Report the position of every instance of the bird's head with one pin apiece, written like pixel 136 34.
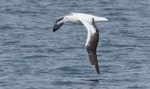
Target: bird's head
pixel 60 21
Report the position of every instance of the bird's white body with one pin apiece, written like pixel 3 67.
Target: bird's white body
pixel 93 35
pixel 77 17
pixel 86 20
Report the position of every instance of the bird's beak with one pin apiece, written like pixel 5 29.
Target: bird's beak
pixel 58 24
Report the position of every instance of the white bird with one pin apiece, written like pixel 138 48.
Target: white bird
pixel 93 34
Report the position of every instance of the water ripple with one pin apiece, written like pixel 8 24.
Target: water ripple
pixel 33 57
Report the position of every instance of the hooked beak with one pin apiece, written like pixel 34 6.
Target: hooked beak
pixel 58 24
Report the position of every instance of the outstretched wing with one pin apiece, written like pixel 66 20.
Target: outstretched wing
pixel 92 42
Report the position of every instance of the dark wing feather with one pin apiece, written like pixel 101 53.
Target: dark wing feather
pixel 91 48
pixel 91 44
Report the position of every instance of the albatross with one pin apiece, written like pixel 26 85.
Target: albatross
pixel 92 32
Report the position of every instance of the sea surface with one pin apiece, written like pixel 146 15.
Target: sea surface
pixel 32 56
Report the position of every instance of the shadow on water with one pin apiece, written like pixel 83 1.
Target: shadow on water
pixel 93 82
pixel 87 83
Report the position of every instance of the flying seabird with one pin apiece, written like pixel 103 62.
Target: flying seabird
pixel 92 32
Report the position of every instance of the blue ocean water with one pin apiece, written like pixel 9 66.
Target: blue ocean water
pixel 33 57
